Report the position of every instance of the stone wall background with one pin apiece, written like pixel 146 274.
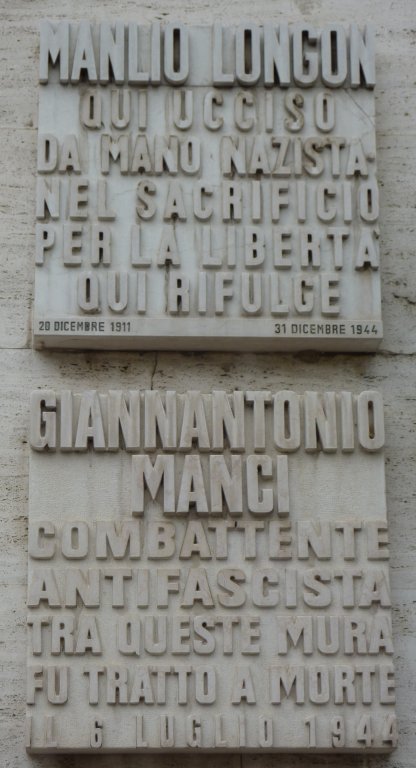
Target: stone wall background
pixel 392 369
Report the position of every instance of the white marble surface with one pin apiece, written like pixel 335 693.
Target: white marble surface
pixel 391 370
pixel 251 224
pixel 282 561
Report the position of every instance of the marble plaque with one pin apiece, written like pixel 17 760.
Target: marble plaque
pixel 208 572
pixel 207 188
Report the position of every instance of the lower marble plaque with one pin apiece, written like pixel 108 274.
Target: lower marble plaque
pixel 208 572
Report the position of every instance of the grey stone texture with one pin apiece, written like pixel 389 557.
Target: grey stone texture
pixel 391 369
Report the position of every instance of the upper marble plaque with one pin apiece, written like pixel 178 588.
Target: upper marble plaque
pixel 207 188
